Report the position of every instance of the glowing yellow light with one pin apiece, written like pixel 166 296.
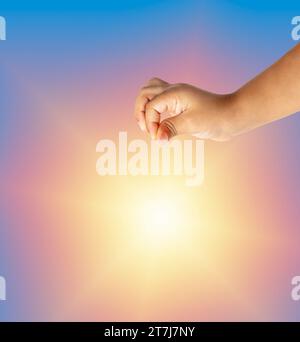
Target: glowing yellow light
pixel 160 219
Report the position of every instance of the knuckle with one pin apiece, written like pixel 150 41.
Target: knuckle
pixel 154 79
pixel 143 89
pixel 148 106
pixel 180 85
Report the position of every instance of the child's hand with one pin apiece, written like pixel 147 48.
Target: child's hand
pixel 270 96
pixel 186 109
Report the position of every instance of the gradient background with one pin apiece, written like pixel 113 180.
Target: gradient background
pixel 71 244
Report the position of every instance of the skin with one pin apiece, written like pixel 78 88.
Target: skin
pixel 272 95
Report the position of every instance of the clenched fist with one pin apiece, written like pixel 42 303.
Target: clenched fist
pixel 165 110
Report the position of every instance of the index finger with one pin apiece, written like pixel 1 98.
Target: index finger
pixel 146 95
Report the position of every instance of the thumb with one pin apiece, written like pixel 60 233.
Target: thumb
pixel 171 127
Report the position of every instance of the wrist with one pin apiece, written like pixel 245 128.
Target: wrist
pixel 235 121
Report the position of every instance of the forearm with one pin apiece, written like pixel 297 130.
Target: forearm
pixel 272 95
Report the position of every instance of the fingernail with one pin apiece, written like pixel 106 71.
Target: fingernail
pixel 142 125
pixel 163 137
pixel 152 133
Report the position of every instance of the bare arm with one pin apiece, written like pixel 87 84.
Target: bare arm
pixel 272 95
